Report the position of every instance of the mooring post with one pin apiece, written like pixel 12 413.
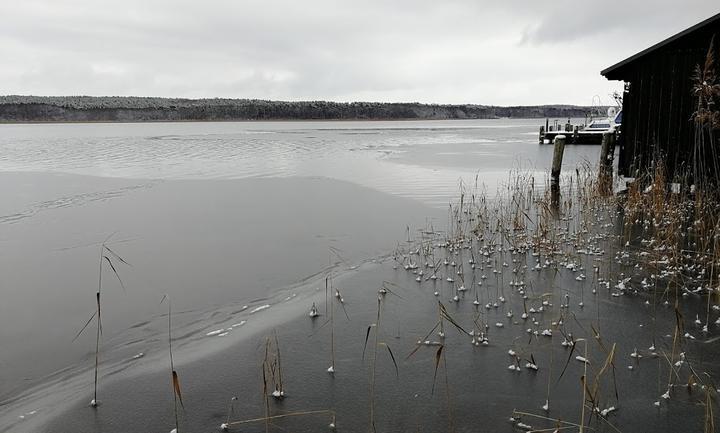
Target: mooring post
pixel 604 150
pixel 607 155
pixel 557 158
pixel 555 170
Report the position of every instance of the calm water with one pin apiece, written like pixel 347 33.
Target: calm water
pixel 418 159
pixel 225 217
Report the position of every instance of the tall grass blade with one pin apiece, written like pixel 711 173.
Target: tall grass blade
pixel 117 256
pixel 419 345
pixel 567 362
pixel 449 318
pixel 367 337
pixel 97 296
pixel 438 356
pixel 114 271
pixel 176 387
pixel 86 325
pixel 397 371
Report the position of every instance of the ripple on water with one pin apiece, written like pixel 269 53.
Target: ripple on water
pixel 260 308
pixel 386 156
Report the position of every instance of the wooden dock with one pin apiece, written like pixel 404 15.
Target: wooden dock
pixel 574 134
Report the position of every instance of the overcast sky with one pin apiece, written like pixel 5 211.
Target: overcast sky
pixel 446 51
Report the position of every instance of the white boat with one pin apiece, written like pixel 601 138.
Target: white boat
pixel 583 134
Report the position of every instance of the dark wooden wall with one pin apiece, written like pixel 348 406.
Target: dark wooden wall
pixel 659 105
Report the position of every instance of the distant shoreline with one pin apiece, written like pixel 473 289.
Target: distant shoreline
pixel 72 122
pixel 90 109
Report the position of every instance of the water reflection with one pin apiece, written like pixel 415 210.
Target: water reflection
pixel 420 159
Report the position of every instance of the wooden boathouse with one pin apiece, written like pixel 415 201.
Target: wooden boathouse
pixel 662 95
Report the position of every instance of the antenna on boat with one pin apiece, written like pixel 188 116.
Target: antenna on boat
pixel 595 109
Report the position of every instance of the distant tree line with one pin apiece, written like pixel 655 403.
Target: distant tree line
pixel 15 108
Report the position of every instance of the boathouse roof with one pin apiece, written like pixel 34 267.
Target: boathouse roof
pixel 701 31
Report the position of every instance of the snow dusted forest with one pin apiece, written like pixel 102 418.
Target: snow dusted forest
pixel 128 109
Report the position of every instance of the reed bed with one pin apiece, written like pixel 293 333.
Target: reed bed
pixel 531 275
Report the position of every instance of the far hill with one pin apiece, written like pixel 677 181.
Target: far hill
pixel 143 109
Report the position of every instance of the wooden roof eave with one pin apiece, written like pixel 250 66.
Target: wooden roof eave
pixel 617 71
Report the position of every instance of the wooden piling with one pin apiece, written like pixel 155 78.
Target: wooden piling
pixel 607 156
pixel 555 170
pixel 557 157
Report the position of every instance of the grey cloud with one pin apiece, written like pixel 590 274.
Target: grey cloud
pixel 570 20
pixel 459 51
